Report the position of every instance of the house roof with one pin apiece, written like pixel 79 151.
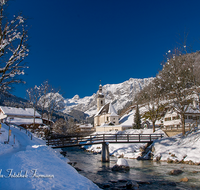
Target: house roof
pixel 27 121
pixel 19 111
pixel 190 110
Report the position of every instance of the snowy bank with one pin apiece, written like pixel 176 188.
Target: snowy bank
pixel 30 164
pixel 176 149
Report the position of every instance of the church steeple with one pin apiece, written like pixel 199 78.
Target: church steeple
pixel 100 98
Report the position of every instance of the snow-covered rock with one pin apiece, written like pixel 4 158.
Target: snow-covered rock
pixel 122 165
pixel 122 162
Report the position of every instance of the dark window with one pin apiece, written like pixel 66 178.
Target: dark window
pixel 168 119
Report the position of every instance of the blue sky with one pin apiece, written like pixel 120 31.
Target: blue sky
pixel 76 43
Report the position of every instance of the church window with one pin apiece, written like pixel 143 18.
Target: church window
pixel 107 118
pixel 101 102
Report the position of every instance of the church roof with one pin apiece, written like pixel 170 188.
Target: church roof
pixel 108 108
pixel 112 110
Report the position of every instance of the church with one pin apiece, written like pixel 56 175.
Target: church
pixel 106 118
pixel 106 113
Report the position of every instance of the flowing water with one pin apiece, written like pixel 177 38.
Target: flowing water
pixel 147 171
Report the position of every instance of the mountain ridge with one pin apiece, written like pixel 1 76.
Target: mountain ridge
pixel 117 94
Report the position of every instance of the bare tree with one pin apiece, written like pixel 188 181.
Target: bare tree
pixel 34 95
pixel 60 127
pixel 152 97
pixel 13 48
pixel 64 127
pixel 55 102
pixel 45 89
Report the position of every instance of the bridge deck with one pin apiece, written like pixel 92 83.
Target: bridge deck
pixel 70 141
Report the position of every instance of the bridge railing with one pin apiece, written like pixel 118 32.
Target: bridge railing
pixel 95 139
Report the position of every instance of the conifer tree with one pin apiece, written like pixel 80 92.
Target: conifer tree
pixel 137 119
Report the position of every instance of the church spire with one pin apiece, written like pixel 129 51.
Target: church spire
pixel 100 98
pixel 100 94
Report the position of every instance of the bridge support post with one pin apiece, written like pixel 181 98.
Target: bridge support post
pixel 105 157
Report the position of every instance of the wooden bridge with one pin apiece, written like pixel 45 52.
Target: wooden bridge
pixel 104 139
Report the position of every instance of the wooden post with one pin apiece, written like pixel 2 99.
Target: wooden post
pixel 105 157
pixel 139 137
pixel 128 137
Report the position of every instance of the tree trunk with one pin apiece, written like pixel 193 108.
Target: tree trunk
pixel 34 119
pixel 154 128
pixel 183 124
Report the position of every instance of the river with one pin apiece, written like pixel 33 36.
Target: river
pixel 157 173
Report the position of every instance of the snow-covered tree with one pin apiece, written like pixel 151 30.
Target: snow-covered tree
pixel 13 48
pixel 179 81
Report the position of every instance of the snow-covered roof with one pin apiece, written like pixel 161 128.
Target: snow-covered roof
pixel 27 121
pixel 112 110
pixel 86 126
pixel 108 108
pixel 190 110
pixel 19 111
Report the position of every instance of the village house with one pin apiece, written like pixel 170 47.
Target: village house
pixel 85 128
pixel 172 118
pixel 19 116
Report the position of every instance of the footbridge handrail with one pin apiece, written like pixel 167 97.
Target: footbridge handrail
pixel 70 141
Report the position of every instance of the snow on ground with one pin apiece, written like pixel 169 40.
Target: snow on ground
pixel 127 150
pixel 30 164
pixel 178 147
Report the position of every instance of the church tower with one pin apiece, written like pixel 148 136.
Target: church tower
pixel 100 98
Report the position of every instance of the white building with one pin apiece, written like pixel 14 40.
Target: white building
pixel 20 116
pixel 106 113
pixel 85 128
pixel 106 118
pixel 172 118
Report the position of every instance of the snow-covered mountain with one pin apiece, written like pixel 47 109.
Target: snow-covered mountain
pixel 118 94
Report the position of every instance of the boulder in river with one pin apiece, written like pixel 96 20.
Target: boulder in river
pixel 175 172
pixel 185 179
pixel 122 165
